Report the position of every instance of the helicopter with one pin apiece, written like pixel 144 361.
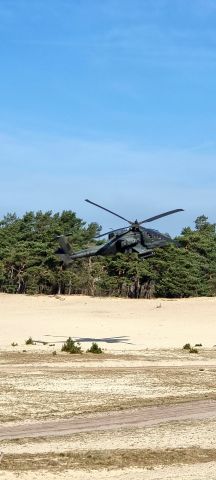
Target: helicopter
pixel 129 239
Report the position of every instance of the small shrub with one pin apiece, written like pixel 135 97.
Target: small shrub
pixel 94 349
pixel 29 341
pixel 54 353
pixel 14 344
pixel 187 346
pixel 71 347
pixel 193 350
pixel 198 345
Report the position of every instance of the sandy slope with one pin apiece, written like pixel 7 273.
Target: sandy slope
pixel 139 324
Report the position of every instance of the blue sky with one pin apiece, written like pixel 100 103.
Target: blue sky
pixel 111 100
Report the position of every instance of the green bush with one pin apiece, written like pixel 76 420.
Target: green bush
pixel 187 346
pixel 29 341
pixel 193 350
pixel 94 349
pixel 190 349
pixel 70 346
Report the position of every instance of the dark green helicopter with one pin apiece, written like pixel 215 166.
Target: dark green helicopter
pixel 132 238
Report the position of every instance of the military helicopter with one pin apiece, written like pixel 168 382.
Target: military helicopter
pixel 129 239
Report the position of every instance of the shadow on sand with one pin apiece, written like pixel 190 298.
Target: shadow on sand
pixel 121 339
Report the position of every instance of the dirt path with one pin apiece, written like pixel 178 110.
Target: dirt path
pixel 140 418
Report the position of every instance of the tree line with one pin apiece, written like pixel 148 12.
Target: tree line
pixel 29 264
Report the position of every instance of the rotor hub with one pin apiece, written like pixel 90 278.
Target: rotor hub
pixel 135 225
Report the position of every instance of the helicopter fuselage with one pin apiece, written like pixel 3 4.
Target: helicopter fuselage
pixel 133 238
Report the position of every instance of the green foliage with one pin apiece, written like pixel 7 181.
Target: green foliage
pixel 190 349
pixel 29 341
pixel 28 263
pixel 70 346
pixel 193 350
pixel 187 346
pixel 94 349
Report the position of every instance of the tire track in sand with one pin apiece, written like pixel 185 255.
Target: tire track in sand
pixel 143 417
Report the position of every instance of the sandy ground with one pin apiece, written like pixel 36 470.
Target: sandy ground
pixel 123 324
pixel 147 416
pixel 143 369
pixel 206 471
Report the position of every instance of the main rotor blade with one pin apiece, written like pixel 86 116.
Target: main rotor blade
pixel 111 231
pixel 110 211
pixel 151 219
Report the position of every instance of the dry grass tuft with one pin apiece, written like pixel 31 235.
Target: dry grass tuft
pixel 97 459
